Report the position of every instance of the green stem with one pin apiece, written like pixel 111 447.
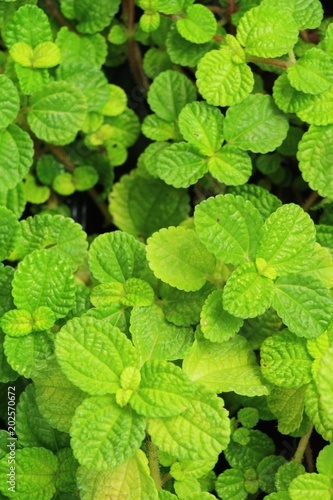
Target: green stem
pixel 302 445
pixel 310 201
pixel 153 463
pixel 269 60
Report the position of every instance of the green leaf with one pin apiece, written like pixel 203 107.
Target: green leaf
pixel 50 281
pixel 308 14
pixel 68 465
pixel 321 266
pixel 325 386
pixel 91 17
pixel 316 413
pixel 46 55
pixel 157 129
pixel 142 206
pixel 285 360
pixel 202 126
pixel 313 72
pixel 181 165
pixel 10 101
pixel 104 435
pixel 266 471
pixel 223 79
pixel 183 52
pixel 7 373
pixel 266 203
pixel 155 338
pixel 288 239
pixel 9 227
pixel 248 293
pixel 231 166
pixel 17 323
pixel 165 391
pixel 178 258
pixel 89 49
pixel 230 485
pixel 134 292
pixel 155 61
pixel 57 398
pixel 311 485
pixel 267 31
pixel 218 325
pixel 315 149
pixel 324 461
pixel 242 457
pixel 286 473
pixel 223 367
pixel 123 129
pixel 35 474
pixel 149 21
pixel 14 199
pixel 129 479
pixel 29 354
pixel 317 109
pixel 31 80
pixel 31 427
pixel 199 24
pixel 30 25
pixel 6 299
pixel 287 98
pixel 16 153
pixel 169 93
pixel 229 226
pixel 35 193
pixel 117 102
pixel 288 407
pixel 255 124
pixel 201 432
pixel 57 112
pixel 84 177
pixel 102 349
pixel 89 80
pixel 303 303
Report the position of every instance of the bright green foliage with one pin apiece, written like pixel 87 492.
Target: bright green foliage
pixel 314 485
pixel 90 16
pixel 178 258
pixel 90 49
pixel 8 231
pixel 183 52
pixel 231 166
pixel 29 25
pixel 325 387
pixel 16 152
pixel 246 457
pixel 287 404
pixel 198 25
pixel 313 73
pixel 9 105
pixel 308 14
pixel 230 484
pixel 286 473
pixel 134 292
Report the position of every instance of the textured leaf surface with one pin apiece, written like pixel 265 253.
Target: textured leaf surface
pixel 285 360
pixel 223 80
pixel 266 203
pixel 164 391
pixel 178 258
pixel 248 293
pixel 35 474
pixel 14 199
pixel 202 126
pixel 255 124
pixel 231 166
pixel 181 165
pixel 325 385
pixel 116 256
pixel 8 231
pixel 134 292
pixel 224 367
pixel 229 226
pixel 317 109
pixel 93 354
pixel 287 98
pixel 129 479
pixel 288 239
pixel 31 80
pixel 315 149
pixel 183 52
pixel 30 25
pixel 201 432
pixel 155 338
pixel 7 373
pixel 242 457
pixel 16 152
pixel 313 72
pixel 76 48
pixel 9 101
pixel 308 13
pixel 199 24
pixel 59 235
pixel 49 280
pixel 316 486
pixel 288 407
pixel 57 112
pixel 91 17
pixel 303 303
pixel 324 461
pixel 267 31
pixel 218 325
pixel 169 93
pixel 104 435
pixel 230 484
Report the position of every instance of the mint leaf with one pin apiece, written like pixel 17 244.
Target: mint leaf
pixel 155 338
pixel 9 227
pixel 231 166
pixel 57 113
pixel 267 31
pixel 11 104
pixel 316 413
pixel 202 126
pixel 95 430
pixel 266 203
pixel 198 25
pixel 316 109
pixel 229 226
pixel 248 293
pixel 90 16
pixel 313 72
pixel 31 80
pixel 30 25
pixel 134 292
pixel 183 52
pixel 16 153
pixel 288 239
pixel 287 404
pixel 242 457
pixel 169 93
pixel 51 280
pixel 102 349
pixel 287 98
pixel 223 367
pixel 230 484
pixel 255 124
pixel 324 384
pixel 285 360
pixel 178 258
pixel 308 14
pixel 303 303
pixel 91 49
pixel 311 485
pixel 324 461
pixel 14 199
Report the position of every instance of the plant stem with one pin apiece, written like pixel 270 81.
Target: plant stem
pixel 310 201
pixel 270 60
pixel 302 445
pixel 309 458
pixel 55 12
pixel 153 463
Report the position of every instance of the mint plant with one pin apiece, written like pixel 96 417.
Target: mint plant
pixel 169 355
